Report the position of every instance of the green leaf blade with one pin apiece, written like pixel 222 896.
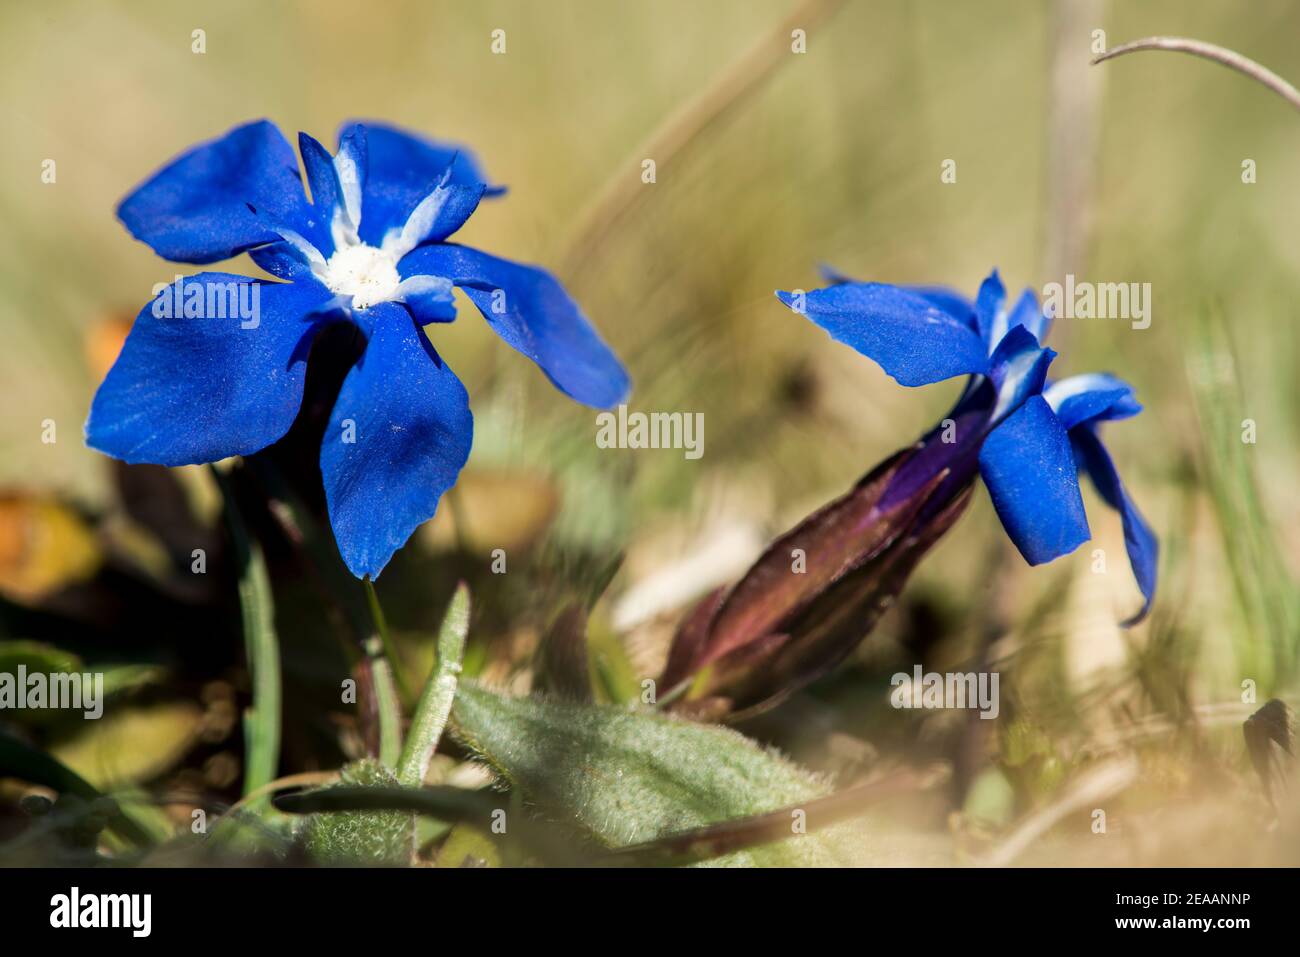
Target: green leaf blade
pixel 436 700
pixel 257 612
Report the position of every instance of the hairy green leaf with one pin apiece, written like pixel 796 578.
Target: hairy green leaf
pixel 359 837
pixel 629 777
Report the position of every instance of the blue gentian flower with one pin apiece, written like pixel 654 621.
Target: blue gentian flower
pixel 1028 437
pixel 196 385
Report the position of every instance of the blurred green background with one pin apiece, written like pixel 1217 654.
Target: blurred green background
pixel 1126 172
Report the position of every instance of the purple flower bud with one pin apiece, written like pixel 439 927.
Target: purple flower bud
pixel 819 589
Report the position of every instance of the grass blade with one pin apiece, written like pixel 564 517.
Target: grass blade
pixel 257 610
pixel 388 706
pixel 1266 645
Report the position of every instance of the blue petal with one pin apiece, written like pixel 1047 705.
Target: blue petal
pixel 1139 539
pixel 1018 367
pixel 1028 313
pixel 910 337
pixel 949 300
pixel 1029 468
pixel 436 217
pixel 322 178
pixel 352 171
pixel 990 301
pixel 530 310
pixel 191 390
pixel 196 209
pixel 284 261
pixel 403 170
pixel 428 298
pixel 1095 396
pixel 410 420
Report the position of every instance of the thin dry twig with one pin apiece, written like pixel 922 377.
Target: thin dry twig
pixel 1073 125
pixel 1209 51
pixel 305 779
pixel 1098 784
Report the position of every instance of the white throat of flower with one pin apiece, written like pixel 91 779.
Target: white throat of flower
pixel 365 275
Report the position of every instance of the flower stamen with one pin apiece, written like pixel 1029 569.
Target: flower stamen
pixel 366 273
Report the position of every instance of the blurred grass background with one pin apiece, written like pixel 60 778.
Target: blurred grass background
pixel 835 158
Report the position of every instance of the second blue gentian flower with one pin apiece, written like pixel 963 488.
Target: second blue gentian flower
pixel 1029 437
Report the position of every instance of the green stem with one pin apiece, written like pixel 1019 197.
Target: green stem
pixel 320 556
pixel 385 638
pixel 459 520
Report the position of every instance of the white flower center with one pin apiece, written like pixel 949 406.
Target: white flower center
pixel 366 273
